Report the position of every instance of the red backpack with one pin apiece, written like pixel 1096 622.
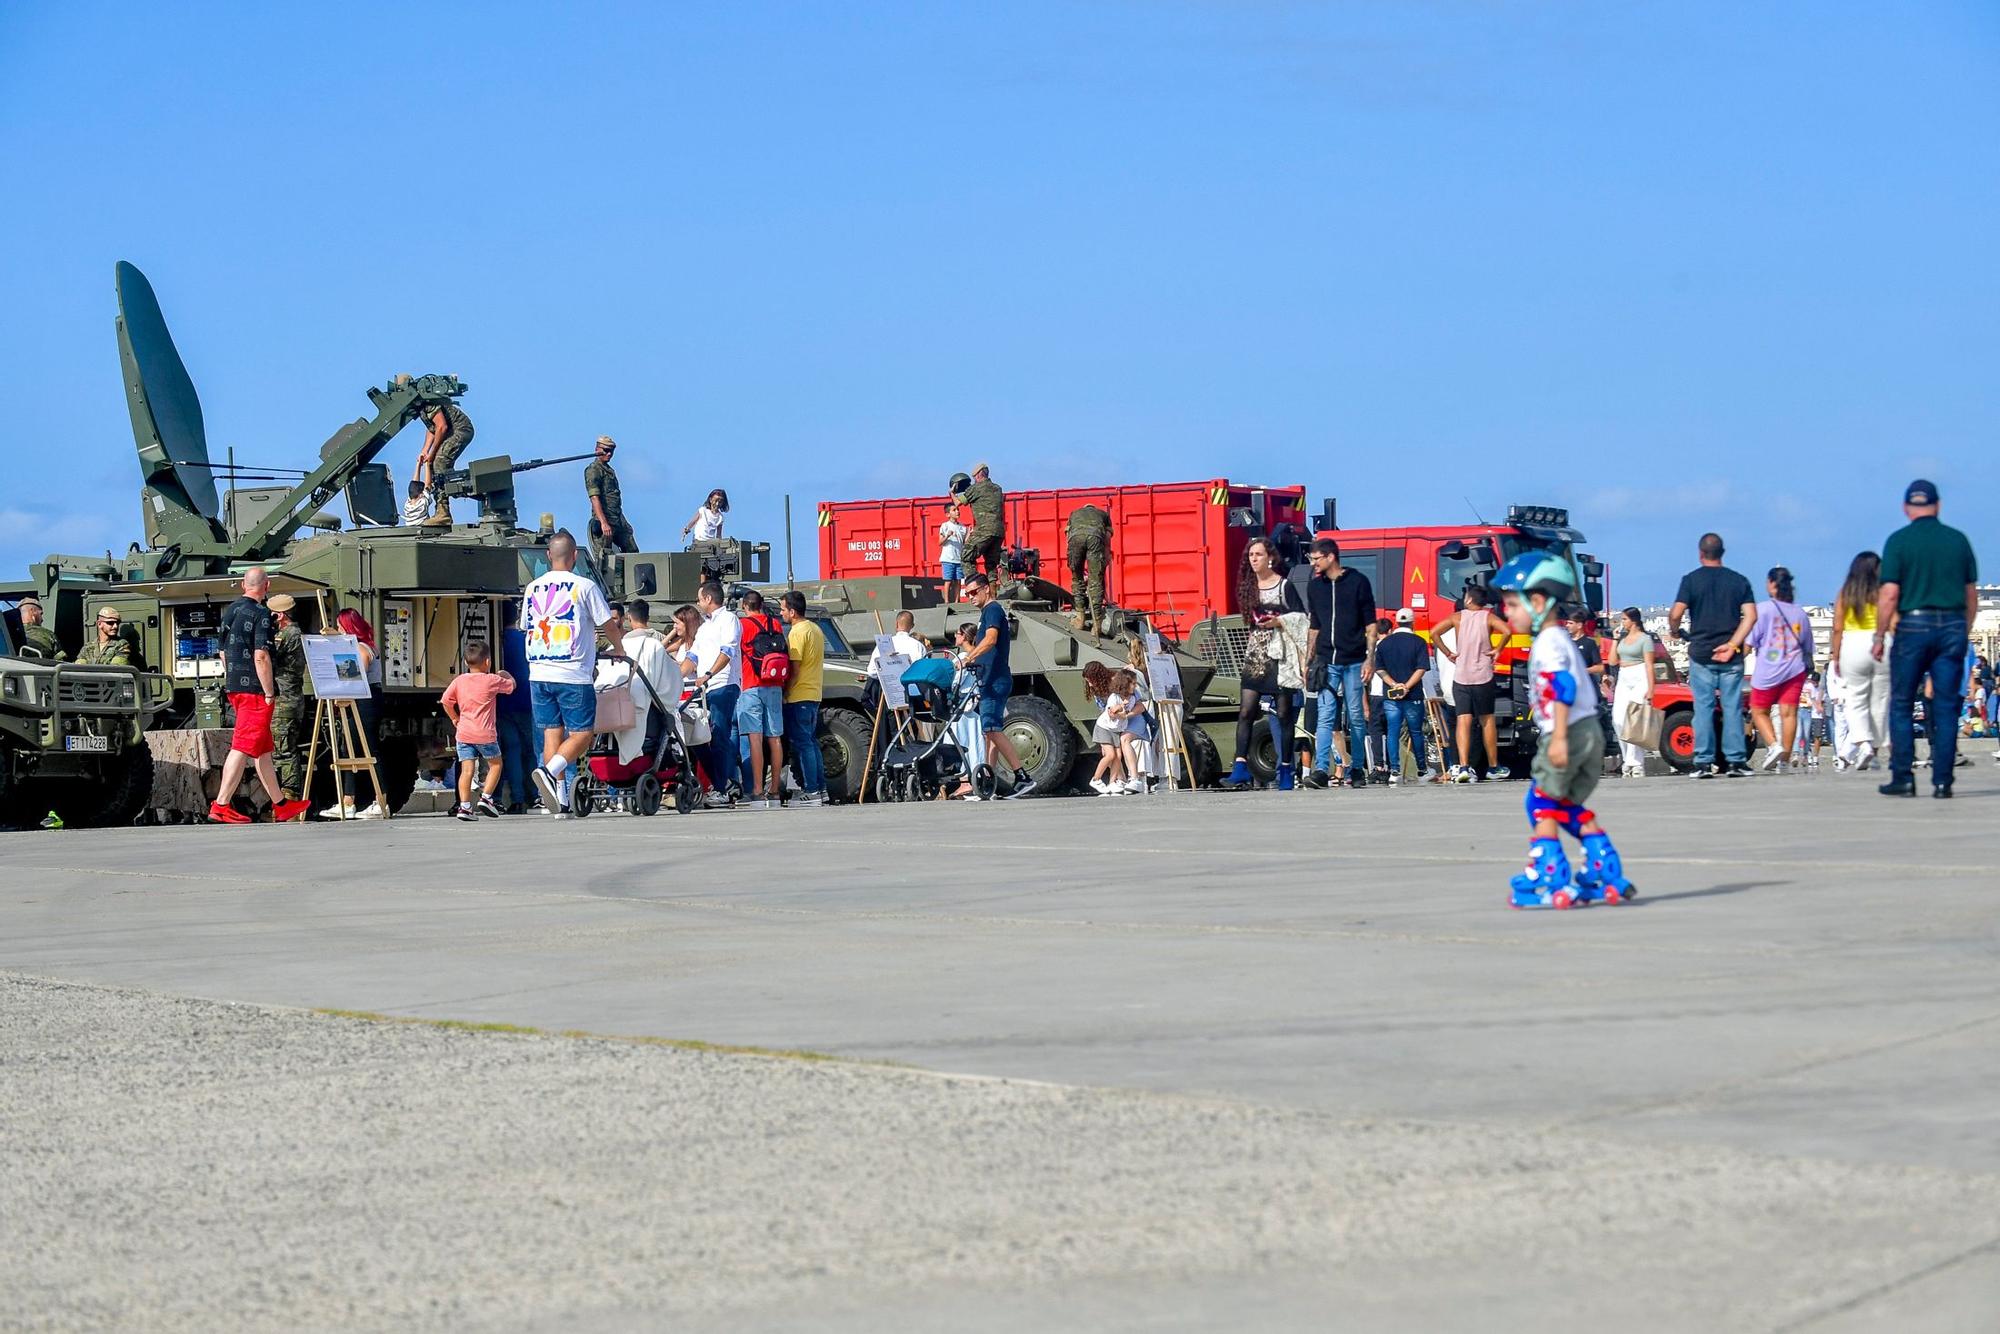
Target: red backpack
pixel 769 658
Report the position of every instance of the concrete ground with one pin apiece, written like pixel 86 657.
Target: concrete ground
pixel 1274 1061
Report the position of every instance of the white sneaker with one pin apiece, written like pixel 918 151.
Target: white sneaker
pixel 1499 772
pixel 805 799
pixel 1772 761
pixel 1134 788
pixel 1100 787
pixel 714 800
pixel 755 804
pixel 373 811
pixel 339 811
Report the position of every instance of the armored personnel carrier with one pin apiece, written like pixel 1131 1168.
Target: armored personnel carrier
pixel 426 590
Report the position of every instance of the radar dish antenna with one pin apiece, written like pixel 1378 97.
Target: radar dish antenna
pixel 166 413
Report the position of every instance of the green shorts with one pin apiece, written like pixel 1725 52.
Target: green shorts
pixel 1576 780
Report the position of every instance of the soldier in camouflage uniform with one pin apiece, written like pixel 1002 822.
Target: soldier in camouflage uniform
pixel 609 532
pixel 988 539
pixel 1089 545
pixel 36 637
pixel 288 713
pixel 447 431
pixel 110 648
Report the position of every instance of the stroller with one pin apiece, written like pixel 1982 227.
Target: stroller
pixel 924 758
pixel 665 763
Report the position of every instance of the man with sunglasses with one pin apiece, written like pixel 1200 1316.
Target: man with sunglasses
pixel 110 648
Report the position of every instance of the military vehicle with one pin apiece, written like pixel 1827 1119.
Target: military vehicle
pixel 426 590
pixel 1049 716
pixel 72 737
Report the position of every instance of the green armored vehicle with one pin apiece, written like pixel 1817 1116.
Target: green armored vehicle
pixel 426 590
pixel 72 737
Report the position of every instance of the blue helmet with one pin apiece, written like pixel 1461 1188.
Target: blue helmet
pixel 1536 572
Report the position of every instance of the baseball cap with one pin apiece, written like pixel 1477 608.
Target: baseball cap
pixel 282 602
pixel 1920 492
pixel 1404 616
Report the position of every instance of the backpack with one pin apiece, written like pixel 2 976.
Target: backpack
pixel 770 658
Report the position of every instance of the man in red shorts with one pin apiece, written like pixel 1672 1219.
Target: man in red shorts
pixel 248 632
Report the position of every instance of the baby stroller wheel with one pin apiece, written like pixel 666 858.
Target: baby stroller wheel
pixel 583 795
pixel 687 793
pixel 913 786
pixel 887 789
pixel 646 795
pixel 985 782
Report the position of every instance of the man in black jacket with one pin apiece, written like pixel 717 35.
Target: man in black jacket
pixel 1341 648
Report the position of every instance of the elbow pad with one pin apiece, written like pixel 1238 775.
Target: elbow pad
pixel 1562 685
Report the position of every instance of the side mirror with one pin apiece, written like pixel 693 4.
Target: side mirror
pixel 1454 551
pixel 1485 557
pixel 1593 569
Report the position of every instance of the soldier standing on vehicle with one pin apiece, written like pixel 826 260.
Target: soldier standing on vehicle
pixel 36 636
pixel 609 532
pixel 110 648
pixel 288 670
pixel 1089 545
pixel 989 526
pixel 447 431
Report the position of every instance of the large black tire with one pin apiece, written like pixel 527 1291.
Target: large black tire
pixel 1043 739
pixel 110 801
pixel 1203 758
pixel 843 744
pixel 1263 754
pixel 18 800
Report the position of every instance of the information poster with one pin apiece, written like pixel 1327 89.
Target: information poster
pixel 1164 675
pixel 334 664
pixel 893 665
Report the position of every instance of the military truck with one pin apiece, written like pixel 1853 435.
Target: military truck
pixel 426 590
pixel 1049 716
pixel 72 738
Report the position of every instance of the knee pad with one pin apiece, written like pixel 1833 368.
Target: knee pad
pixel 1567 814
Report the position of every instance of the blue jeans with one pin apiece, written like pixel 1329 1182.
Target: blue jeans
pixel 519 754
pixel 1342 682
pixel 802 735
pixel 1404 715
pixel 722 736
pixel 1929 643
pixel 1713 682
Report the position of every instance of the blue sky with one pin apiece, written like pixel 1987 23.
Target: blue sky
pixel 1676 266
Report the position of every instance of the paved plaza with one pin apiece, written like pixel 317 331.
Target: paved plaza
pixel 1273 1061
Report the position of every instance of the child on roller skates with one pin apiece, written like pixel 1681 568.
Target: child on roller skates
pixel 1570 760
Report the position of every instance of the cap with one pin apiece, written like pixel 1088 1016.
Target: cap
pixel 1920 492
pixel 1404 616
pixel 26 598
pixel 607 440
pixel 282 602
pixel 978 468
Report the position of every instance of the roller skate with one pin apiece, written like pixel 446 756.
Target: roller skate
pixel 1601 878
pixel 1545 883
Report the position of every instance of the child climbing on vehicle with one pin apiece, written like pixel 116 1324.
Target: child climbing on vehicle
pixel 1570 759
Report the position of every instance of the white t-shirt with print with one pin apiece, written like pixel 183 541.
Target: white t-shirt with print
pixel 719 634
pixel 1110 720
pixel 707 525
pixel 560 614
pixel 1554 652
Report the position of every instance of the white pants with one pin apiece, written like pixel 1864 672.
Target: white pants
pixel 1864 690
pixel 1631 686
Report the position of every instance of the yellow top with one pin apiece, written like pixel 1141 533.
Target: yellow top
pixel 1857 619
pixel 807 646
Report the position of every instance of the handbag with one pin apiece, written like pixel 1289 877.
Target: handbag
pixel 1260 662
pixel 1640 724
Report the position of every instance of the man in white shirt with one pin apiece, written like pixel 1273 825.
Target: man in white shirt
pixel 715 664
pixel 655 685
pixel 904 641
pixel 562 613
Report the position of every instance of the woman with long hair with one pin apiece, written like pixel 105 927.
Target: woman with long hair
pixel 1860 681
pixel 1264 595
pixel 706 525
pixel 1635 684
pixel 1782 649
pixel 352 622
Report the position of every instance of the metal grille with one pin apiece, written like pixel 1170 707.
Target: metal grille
pixel 1223 650
pixel 89 692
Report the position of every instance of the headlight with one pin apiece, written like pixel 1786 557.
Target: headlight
pixel 11 688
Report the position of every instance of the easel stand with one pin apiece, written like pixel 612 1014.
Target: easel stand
pixel 346 749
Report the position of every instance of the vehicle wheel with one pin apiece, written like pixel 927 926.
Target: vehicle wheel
pixel 687 793
pixel 1203 758
pixel 1677 740
pixel 913 786
pixel 1263 754
pixel 843 744
pixel 646 795
pixel 1043 738
pixel 18 800
pixel 114 799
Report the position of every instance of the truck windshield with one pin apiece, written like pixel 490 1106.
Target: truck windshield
pixel 1513 544
pixel 836 643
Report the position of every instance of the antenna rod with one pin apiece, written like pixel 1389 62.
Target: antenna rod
pixel 789 584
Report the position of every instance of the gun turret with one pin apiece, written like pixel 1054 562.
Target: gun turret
pixel 491 482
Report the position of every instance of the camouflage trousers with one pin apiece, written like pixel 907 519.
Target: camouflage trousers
pixel 991 548
pixel 604 548
pixel 288 731
pixel 1091 550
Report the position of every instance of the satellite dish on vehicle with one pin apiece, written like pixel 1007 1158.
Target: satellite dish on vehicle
pixel 166 413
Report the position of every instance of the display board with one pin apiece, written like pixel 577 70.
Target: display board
pixel 334 664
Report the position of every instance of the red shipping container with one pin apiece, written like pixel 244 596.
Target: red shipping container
pixel 1174 547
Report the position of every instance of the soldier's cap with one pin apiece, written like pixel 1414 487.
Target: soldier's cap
pixel 604 440
pixel 27 598
pixel 1920 492
pixel 282 602
pixel 978 468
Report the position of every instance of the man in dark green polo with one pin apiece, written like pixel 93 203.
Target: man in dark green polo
pixel 1930 595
